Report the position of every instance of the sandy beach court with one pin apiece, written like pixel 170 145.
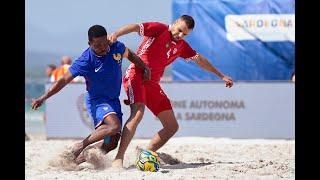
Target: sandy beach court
pixel 184 158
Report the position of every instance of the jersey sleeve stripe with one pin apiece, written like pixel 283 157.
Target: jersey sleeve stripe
pixel 193 57
pixel 141 32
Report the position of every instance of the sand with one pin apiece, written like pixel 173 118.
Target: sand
pixel 183 158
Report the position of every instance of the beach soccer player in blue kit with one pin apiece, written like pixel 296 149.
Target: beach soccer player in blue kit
pixel 100 65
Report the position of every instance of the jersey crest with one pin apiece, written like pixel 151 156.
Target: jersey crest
pixel 117 57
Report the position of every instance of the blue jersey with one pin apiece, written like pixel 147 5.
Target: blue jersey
pixel 102 73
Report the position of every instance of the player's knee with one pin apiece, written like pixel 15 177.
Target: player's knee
pixel 137 110
pixel 140 106
pixel 115 128
pixel 137 107
pixel 175 128
pixel 172 129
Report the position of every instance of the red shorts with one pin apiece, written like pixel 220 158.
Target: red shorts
pixel 148 92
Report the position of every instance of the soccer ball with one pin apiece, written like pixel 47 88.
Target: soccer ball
pixel 148 161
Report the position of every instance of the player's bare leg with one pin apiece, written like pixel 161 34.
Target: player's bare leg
pixel 110 126
pixel 105 148
pixel 129 129
pixel 170 127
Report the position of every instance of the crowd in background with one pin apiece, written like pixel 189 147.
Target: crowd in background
pixel 54 72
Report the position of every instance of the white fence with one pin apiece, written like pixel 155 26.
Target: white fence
pixel 247 110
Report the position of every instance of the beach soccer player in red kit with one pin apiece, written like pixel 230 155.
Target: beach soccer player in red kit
pixel 161 45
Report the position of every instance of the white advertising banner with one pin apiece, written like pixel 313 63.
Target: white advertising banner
pixel 209 109
pixel 266 27
pixel 66 113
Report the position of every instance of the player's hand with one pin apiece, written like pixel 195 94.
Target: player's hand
pixel 112 37
pixel 36 103
pixel 146 74
pixel 228 81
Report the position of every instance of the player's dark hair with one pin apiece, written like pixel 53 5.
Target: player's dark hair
pixel 52 66
pixel 189 21
pixel 96 31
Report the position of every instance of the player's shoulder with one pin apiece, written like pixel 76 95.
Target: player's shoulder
pixel 85 54
pixel 116 44
pixel 84 57
pixel 156 25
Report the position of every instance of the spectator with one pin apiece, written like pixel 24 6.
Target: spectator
pixel 60 71
pixel 50 68
pixel 66 62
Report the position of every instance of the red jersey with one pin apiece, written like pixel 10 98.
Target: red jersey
pixel 158 50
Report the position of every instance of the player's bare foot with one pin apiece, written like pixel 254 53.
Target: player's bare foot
pixel 80 159
pixel 117 163
pixel 77 149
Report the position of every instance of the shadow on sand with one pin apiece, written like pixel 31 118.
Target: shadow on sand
pixel 169 162
pixel 185 165
pixel 181 165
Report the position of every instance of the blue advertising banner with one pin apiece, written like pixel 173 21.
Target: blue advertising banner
pixel 247 39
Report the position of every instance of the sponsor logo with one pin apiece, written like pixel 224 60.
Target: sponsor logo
pixel 174 51
pixel 263 27
pixel 98 68
pixel 117 57
pixel 83 112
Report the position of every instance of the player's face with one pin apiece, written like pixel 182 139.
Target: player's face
pixel 49 71
pixel 99 45
pixel 179 30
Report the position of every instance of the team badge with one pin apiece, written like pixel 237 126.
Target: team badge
pixel 117 57
pixel 174 51
pixel 167 45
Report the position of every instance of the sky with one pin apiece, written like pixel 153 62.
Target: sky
pixel 61 26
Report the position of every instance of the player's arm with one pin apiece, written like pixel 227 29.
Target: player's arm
pixel 131 56
pixel 149 29
pixel 206 65
pixel 56 87
pixel 123 30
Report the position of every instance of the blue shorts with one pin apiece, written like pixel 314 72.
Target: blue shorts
pixel 100 108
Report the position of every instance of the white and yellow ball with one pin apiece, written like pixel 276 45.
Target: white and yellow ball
pixel 148 161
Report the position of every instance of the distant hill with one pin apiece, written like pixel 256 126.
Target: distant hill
pixel 38 59
pixel 36 62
